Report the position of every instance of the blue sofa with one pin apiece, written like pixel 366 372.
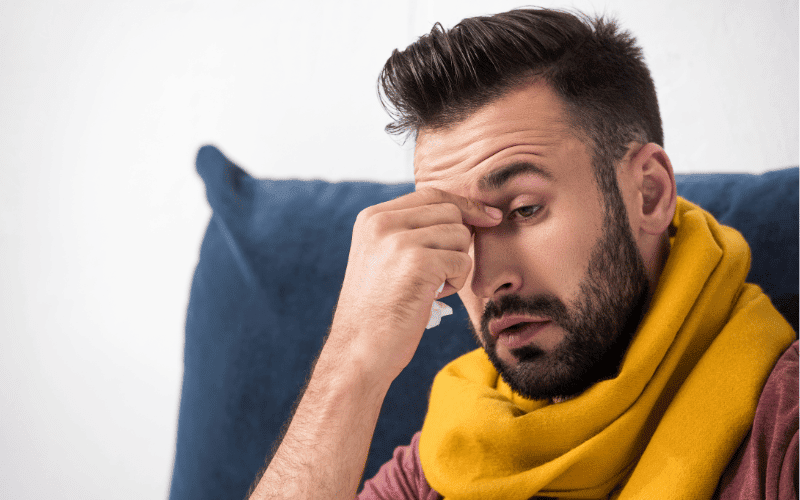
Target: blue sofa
pixel 270 268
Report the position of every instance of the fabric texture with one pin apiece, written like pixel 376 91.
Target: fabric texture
pixel 268 276
pixel 764 469
pixel 766 465
pixel 674 416
pixel 401 478
pixel 269 273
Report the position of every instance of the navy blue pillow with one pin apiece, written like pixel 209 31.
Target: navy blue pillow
pixel 271 265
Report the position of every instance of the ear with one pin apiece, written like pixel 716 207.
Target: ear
pixel 654 193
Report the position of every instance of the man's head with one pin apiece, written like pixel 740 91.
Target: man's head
pixel 554 120
pixel 596 70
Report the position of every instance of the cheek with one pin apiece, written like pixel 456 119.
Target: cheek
pixel 557 254
pixel 473 305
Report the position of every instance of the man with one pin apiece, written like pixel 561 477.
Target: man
pixel 623 355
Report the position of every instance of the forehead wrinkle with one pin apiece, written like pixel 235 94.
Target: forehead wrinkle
pixel 463 155
pixel 452 158
pixel 452 151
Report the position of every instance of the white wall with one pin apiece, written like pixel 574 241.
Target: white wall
pixel 103 105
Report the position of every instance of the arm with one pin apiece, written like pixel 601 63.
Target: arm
pixel 326 443
pixel 401 252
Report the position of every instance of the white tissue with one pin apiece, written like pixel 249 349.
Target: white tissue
pixel 438 311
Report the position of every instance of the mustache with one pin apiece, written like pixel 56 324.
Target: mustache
pixel 538 305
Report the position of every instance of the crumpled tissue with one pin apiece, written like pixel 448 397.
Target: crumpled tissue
pixel 438 311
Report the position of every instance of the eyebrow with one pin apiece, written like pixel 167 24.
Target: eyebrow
pixel 498 178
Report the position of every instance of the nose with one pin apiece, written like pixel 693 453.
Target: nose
pixel 496 267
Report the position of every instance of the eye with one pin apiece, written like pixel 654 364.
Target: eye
pixel 525 212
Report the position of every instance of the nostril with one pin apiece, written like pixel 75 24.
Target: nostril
pixel 504 287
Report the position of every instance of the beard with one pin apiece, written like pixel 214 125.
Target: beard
pixel 599 324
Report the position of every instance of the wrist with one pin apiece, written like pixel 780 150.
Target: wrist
pixel 375 353
pixel 352 371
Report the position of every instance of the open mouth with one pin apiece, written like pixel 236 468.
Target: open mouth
pixel 516 328
pixel 513 323
pixel 517 332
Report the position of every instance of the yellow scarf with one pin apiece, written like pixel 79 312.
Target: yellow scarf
pixel 665 427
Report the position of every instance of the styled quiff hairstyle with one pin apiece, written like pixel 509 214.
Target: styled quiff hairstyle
pixel 595 68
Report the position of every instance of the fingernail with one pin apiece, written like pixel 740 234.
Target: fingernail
pixel 494 213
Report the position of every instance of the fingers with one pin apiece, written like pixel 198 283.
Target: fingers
pixel 422 240
pixel 457 267
pixel 471 212
pixel 456 237
pixel 390 221
pixel 441 266
pixel 429 215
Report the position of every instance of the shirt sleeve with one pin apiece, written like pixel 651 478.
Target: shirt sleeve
pixel 766 465
pixel 401 478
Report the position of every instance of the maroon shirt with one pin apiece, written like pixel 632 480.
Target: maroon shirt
pixel 765 467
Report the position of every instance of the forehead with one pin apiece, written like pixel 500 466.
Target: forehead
pixel 527 126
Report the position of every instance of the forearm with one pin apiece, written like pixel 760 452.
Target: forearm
pixel 325 447
pixel 402 252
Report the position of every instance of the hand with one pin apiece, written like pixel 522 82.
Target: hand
pixel 401 253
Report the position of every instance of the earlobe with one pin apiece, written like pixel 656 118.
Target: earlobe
pixel 657 188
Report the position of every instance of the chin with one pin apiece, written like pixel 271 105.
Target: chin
pixel 578 361
pixel 539 374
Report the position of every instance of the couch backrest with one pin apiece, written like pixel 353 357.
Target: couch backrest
pixel 271 265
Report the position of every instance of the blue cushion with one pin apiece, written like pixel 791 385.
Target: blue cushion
pixel 271 265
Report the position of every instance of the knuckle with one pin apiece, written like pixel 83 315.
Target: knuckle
pixel 364 215
pixel 417 256
pixel 460 236
pixel 464 232
pixel 370 211
pixel 380 219
pixel 394 242
pixel 454 266
pixel 459 280
pixel 451 211
pixel 380 223
pixel 463 263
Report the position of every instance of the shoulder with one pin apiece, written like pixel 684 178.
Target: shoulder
pixel 766 465
pixel 401 478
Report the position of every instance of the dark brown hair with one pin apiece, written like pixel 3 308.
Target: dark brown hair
pixel 596 69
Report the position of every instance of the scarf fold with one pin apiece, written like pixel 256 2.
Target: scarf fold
pixel 665 427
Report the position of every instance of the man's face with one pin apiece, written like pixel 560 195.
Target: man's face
pixel 557 288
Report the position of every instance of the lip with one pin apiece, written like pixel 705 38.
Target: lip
pixel 497 326
pixel 523 336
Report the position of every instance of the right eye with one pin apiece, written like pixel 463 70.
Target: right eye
pixel 525 213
